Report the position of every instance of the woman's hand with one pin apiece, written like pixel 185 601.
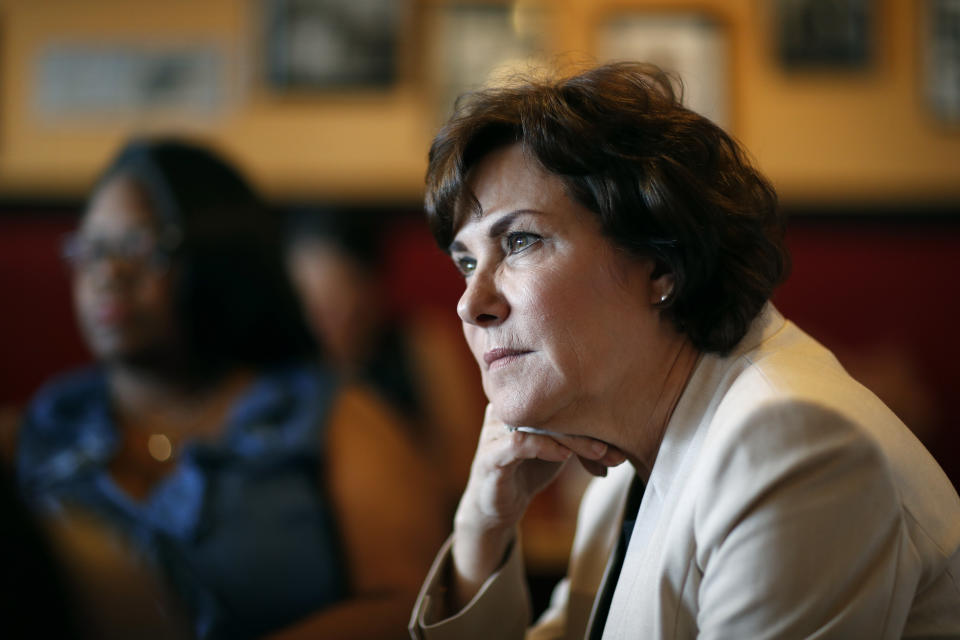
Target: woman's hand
pixel 509 469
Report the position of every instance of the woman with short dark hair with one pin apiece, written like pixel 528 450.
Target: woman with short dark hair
pixel 664 183
pixel 270 497
pixel 619 253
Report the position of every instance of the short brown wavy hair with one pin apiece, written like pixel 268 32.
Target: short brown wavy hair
pixel 665 183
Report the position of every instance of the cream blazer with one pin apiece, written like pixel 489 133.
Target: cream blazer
pixel 786 501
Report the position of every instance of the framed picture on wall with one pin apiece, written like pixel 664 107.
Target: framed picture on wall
pixel 100 80
pixel 824 34
pixel 941 55
pixel 474 44
pixel 692 47
pixel 319 45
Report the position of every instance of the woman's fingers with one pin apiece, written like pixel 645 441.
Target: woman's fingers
pixel 612 457
pixel 528 446
pixel 584 447
pixel 513 463
pixel 593 467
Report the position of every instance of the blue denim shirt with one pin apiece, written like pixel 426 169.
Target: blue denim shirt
pixel 241 528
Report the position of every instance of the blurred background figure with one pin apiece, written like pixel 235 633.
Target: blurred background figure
pixel 35 595
pixel 270 498
pixel 75 580
pixel 337 260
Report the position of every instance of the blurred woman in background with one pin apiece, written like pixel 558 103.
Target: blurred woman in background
pixel 417 364
pixel 272 500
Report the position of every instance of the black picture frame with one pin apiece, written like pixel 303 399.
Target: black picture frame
pixel 824 34
pixel 942 60
pixel 324 45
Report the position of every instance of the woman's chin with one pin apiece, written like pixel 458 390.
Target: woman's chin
pixel 509 412
pixel 522 414
pixel 544 406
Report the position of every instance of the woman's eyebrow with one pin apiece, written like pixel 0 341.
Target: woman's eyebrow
pixel 497 228
pixel 503 223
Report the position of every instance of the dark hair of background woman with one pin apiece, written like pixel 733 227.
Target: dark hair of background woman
pixel 233 299
pixel 665 182
pixel 356 231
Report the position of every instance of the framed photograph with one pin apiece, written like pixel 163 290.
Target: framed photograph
pixel 104 80
pixel 941 55
pixel 824 34
pixel 320 45
pixel 473 45
pixel 691 46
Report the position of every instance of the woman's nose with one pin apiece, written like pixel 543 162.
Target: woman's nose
pixel 482 303
pixel 109 271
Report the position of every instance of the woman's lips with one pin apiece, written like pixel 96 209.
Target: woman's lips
pixel 112 313
pixel 501 357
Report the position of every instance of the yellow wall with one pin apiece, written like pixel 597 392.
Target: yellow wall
pixel 859 137
pixel 365 145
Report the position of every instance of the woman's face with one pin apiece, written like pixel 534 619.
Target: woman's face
pixel 339 299
pixel 122 285
pixel 560 321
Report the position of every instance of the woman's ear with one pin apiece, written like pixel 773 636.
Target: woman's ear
pixel 661 287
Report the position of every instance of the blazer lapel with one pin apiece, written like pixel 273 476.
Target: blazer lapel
pixel 593 545
pixel 632 613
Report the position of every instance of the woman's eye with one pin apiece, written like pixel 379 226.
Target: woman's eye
pixel 466 265
pixel 520 241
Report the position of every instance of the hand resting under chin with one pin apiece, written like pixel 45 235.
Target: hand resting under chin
pixel 595 467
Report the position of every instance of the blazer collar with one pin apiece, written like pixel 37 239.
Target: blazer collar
pixel 708 383
pixel 707 386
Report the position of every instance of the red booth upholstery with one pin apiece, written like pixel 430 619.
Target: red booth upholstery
pixel 880 292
